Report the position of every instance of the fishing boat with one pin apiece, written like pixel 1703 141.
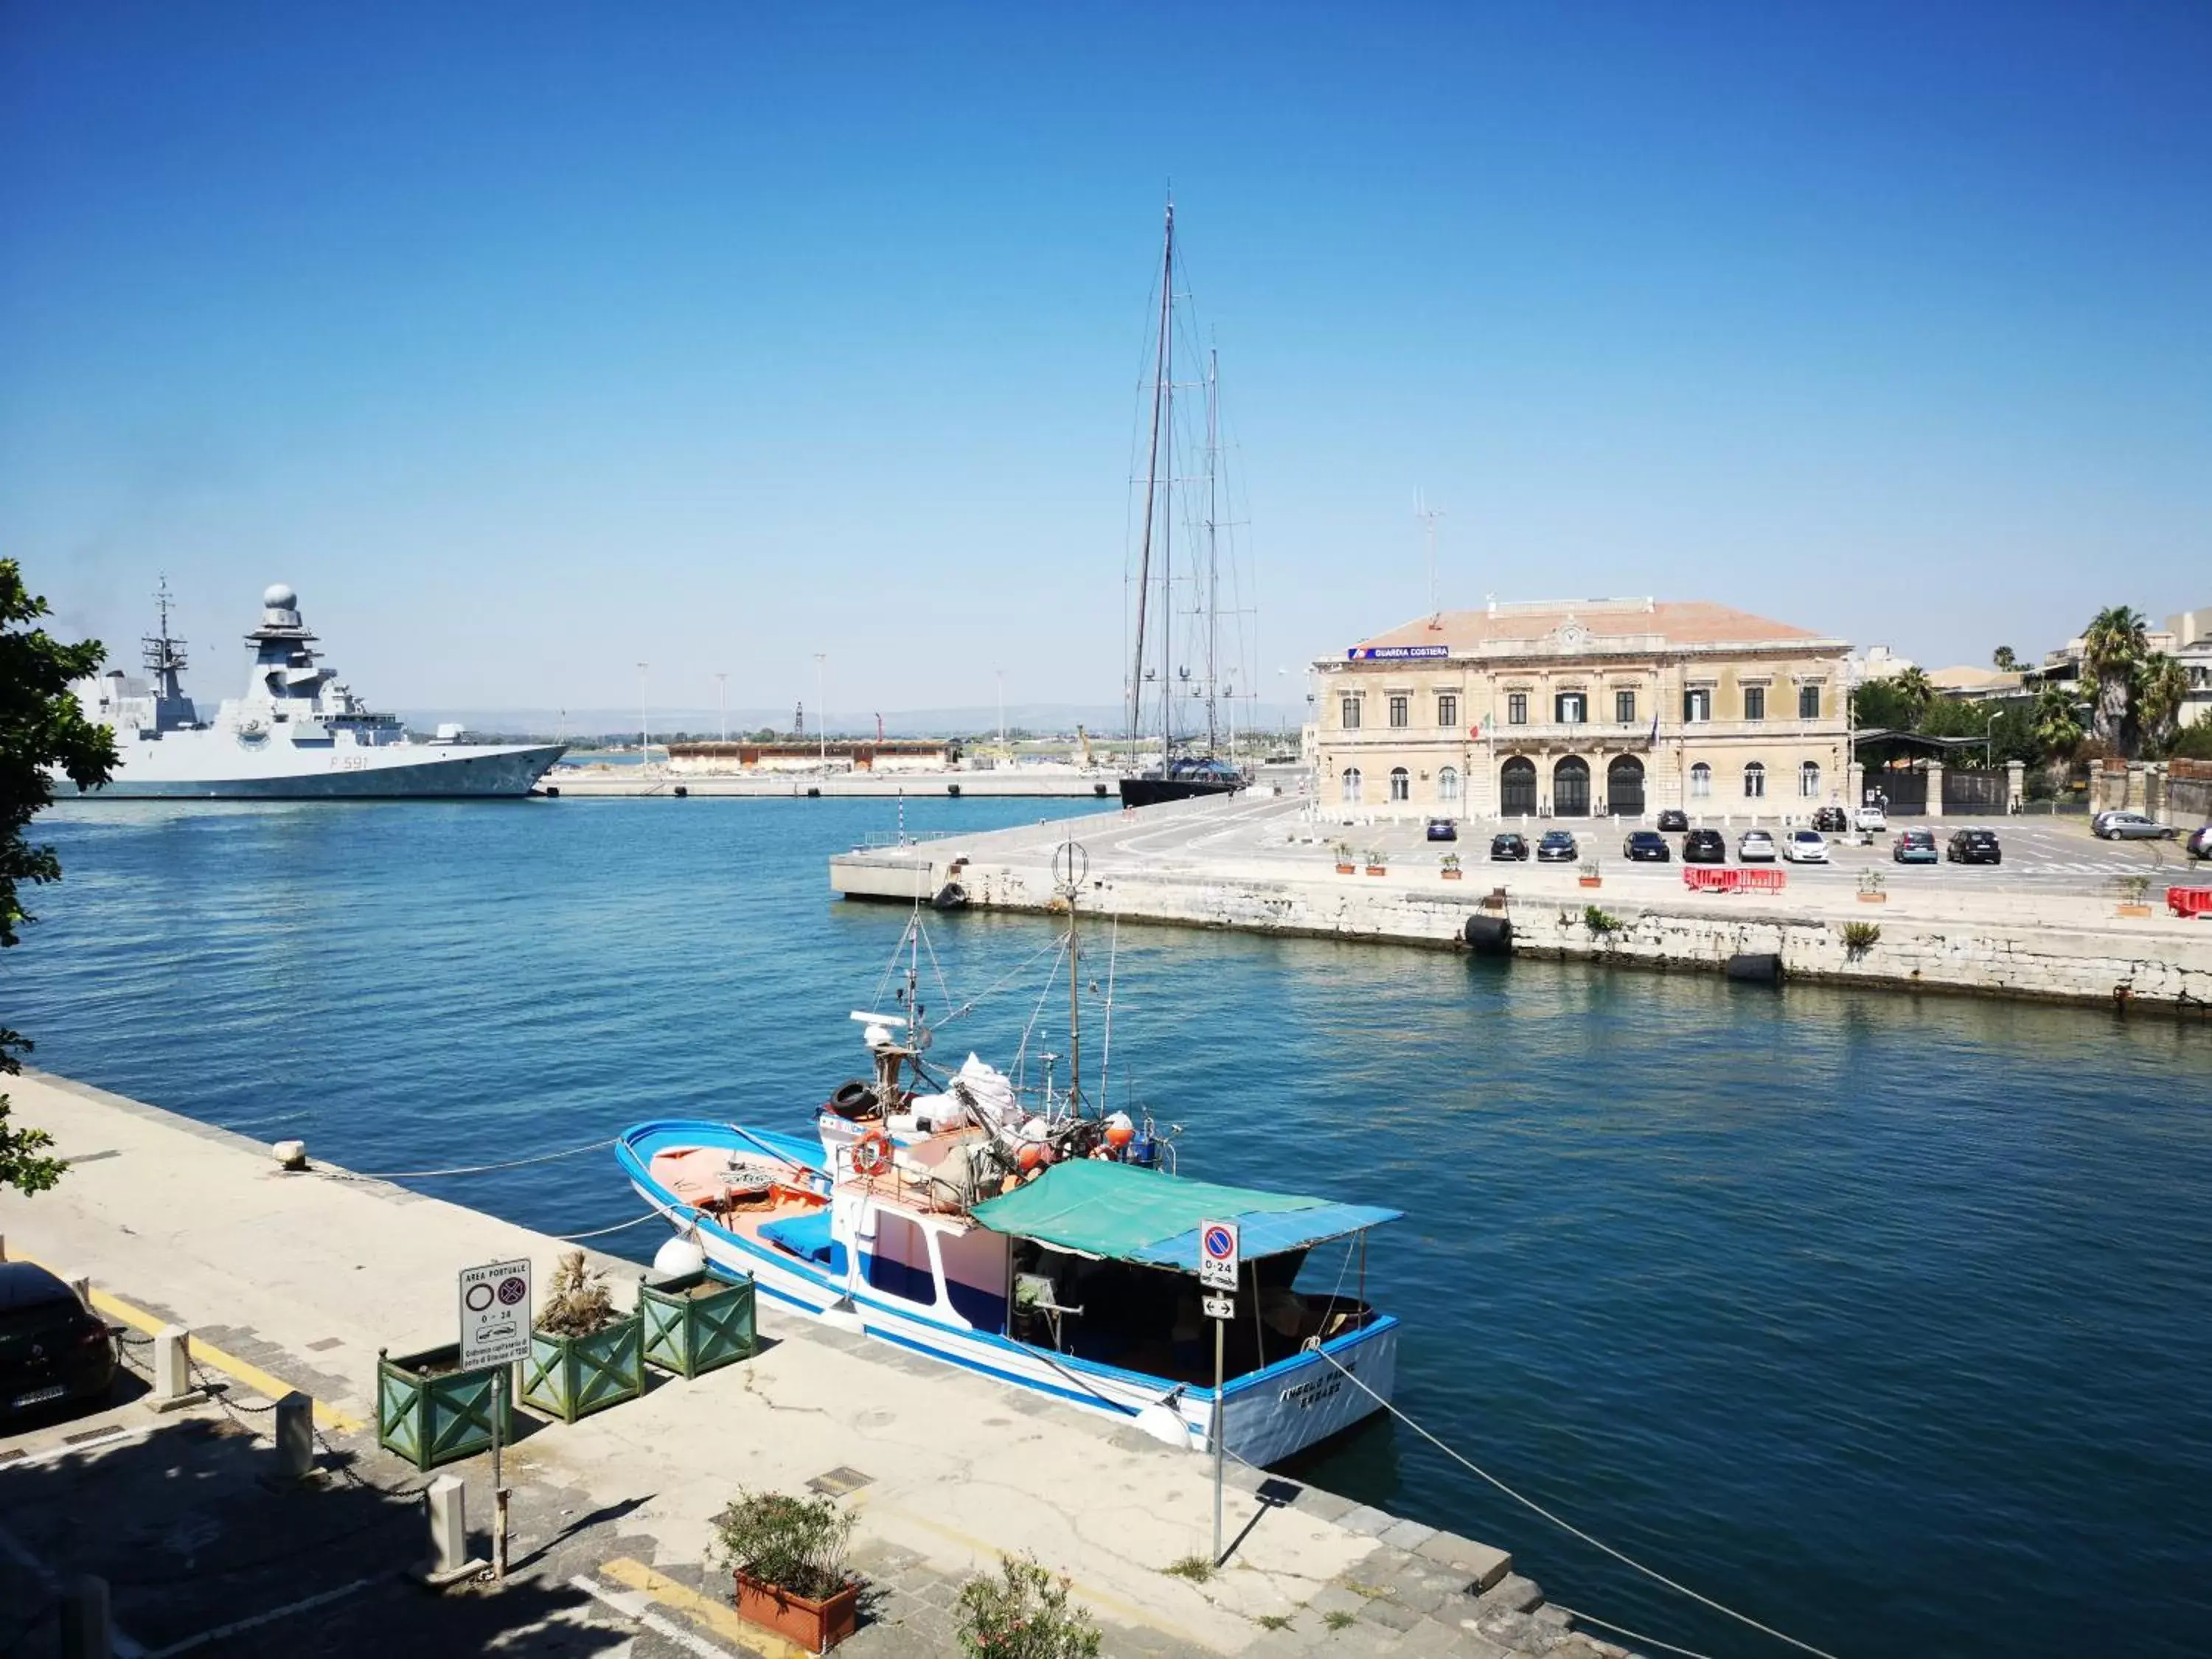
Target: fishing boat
pixel 1183 770
pixel 1029 1237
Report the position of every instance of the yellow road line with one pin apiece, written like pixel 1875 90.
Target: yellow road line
pixel 238 1371
pixel 717 1616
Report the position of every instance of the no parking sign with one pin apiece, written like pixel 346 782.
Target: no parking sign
pixel 1216 1255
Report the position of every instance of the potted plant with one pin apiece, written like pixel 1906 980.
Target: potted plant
pixel 1870 886
pixel 584 1356
pixel 1451 870
pixel 787 1556
pixel 695 1321
pixel 1375 866
pixel 1022 1614
pixel 2134 889
pixel 1344 864
pixel 1590 876
pixel 429 1411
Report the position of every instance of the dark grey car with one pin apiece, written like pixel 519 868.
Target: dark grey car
pixel 2130 826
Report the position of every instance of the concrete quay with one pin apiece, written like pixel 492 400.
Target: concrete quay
pixel 2048 924
pixel 295 1279
pixel 629 782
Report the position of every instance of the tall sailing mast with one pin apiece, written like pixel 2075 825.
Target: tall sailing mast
pixel 1212 613
pixel 1163 410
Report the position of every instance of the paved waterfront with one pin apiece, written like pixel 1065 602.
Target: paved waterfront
pixel 305 1277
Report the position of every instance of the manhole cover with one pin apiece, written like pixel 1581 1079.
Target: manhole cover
pixel 839 1480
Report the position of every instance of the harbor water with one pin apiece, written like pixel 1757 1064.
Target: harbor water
pixel 1882 1318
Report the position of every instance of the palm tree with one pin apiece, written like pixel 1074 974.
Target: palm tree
pixel 2112 646
pixel 2057 722
pixel 1917 690
pixel 2002 659
pixel 2161 686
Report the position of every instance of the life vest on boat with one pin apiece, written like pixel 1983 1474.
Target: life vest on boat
pixel 872 1153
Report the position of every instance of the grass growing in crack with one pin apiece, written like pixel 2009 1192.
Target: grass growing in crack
pixel 1338 1620
pixel 1273 1621
pixel 1196 1568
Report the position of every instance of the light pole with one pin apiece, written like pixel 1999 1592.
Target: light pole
pixel 722 703
pixel 1002 673
pixel 821 710
pixel 644 723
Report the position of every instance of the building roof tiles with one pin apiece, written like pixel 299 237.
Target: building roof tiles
pixel 1665 623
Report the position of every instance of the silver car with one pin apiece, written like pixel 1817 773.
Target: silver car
pixel 2130 826
pixel 1805 847
pixel 1754 846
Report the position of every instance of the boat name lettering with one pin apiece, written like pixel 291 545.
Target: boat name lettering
pixel 1306 1395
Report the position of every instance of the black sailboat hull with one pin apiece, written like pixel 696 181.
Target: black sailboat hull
pixel 1152 791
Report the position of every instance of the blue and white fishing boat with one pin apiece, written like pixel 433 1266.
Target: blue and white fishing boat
pixel 1033 1241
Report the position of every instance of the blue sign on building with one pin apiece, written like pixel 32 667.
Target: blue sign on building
pixel 1395 652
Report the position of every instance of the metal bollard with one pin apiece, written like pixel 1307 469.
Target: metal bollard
pixel 446 1505
pixel 295 1436
pixel 86 1630
pixel 173 1369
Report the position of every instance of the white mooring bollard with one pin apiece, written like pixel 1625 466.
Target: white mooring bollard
pixel 86 1630
pixel 173 1369
pixel 295 1438
pixel 446 1505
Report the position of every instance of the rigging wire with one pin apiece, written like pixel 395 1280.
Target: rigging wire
pixel 1021 1052
pixel 1568 1526
pixel 1017 971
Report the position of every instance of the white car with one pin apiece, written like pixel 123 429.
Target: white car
pixel 1869 818
pixel 1754 846
pixel 1805 847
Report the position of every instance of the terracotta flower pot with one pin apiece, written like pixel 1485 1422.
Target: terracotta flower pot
pixel 818 1627
pixel 2135 909
pixel 1874 898
pixel 1591 881
pixel 1348 869
pixel 1451 875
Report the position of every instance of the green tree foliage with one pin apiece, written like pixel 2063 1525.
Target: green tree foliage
pixel 2055 722
pixel 2161 686
pixel 2113 647
pixel 2002 659
pixel 1883 705
pixel 2195 742
pixel 41 725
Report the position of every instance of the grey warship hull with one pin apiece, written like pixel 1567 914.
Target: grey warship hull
pixel 486 774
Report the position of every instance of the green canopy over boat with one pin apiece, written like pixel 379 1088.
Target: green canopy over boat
pixel 1119 1212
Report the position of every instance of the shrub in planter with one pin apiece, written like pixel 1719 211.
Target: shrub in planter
pixel 584 1356
pixel 1870 885
pixel 1451 870
pixel 1344 864
pixel 787 1555
pixel 2134 890
pixel 1375 866
pixel 1590 876
pixel 1023 1613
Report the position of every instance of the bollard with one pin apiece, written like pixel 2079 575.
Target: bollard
pixel 173 1369
pixel 446 1505
pixel 87 1632
pixel 295 1438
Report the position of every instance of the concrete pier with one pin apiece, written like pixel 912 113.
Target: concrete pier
pixel 1011 782
pixel 294 1279
pixel 2051 925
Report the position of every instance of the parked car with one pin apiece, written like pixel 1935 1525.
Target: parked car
pixel 1509 846
pixel 1974 847
pixel 2129 826
pixel 1443 829
pixel 1915 847
pixel 1870 817
pixel 2200 842
pixel 1674 818
pixel 1557 847
pixel 1647 846
pixel 1832 820
pixel 1805 847
pixel 52 1348
pixel 1754 846
pixel 1704 847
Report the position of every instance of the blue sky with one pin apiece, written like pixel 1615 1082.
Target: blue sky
pixel 530 340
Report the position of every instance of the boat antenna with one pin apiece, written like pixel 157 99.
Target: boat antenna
pixel 1070 865
pixel 1152 483
pixel 1428 515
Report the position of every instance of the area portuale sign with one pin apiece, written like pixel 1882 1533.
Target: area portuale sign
pixel 1395 652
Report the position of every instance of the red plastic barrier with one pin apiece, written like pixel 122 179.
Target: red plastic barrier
pixel 2189 901
pixel 1707 878
pixel 1760 881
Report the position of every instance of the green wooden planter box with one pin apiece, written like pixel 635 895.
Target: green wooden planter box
pixel 695 1322
pixel 573 1376
pixel 437 1418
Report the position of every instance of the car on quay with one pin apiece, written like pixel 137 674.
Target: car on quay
pixel 1509 846
pixel 1832 820
pixel 1754 846
pixel 1646 847
pixel 2130 826
pixel 1915 847
pixel 1871 819
pixel 2200 842
pixel 53 1349
pixel 1974 847
pixel 1674 819
pixel 1557 847
pixel 1805 847
pixel 1443 829
pixel 1704 847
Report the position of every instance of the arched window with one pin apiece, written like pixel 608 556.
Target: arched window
pixel 1350 782
pixel 1809 780
pixel 1448 784
pixel 1701 780
pixel 1755 780
pixel 1401 784
pixel 1517 786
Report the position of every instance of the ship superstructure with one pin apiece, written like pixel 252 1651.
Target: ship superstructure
pixel 299 732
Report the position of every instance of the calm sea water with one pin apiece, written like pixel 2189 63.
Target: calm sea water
pixel 1884 1319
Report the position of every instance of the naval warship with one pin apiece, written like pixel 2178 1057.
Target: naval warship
pixel 297 734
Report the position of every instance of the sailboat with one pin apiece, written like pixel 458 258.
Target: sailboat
pixel 1182 771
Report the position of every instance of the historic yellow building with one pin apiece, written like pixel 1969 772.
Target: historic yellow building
pixel 1572 709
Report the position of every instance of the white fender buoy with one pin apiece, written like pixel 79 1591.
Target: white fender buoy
pixel 681 1254
pixel 1164 1423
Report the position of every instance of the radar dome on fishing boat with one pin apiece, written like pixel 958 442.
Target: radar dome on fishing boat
pixel 877 1037
pixel 680 1255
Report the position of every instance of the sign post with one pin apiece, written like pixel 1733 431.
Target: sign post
pixel 1218 1271
pixel 495 1332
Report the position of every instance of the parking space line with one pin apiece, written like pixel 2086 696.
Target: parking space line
pixel 721 1619
pixel 271 1617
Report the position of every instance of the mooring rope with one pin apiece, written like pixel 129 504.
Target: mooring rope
pixel 600 1232
pixel 464 1169
pixel 1632 1635
pixel 1568 1526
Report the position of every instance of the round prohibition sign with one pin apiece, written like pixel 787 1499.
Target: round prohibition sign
pixel 513 1289
pixel 478 1298
pixel 1217 1243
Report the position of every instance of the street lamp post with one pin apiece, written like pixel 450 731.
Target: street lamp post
pixel 722 703
pixel 822 711
pixel 644 723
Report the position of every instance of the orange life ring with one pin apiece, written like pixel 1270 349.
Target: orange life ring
pixel 872 1153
